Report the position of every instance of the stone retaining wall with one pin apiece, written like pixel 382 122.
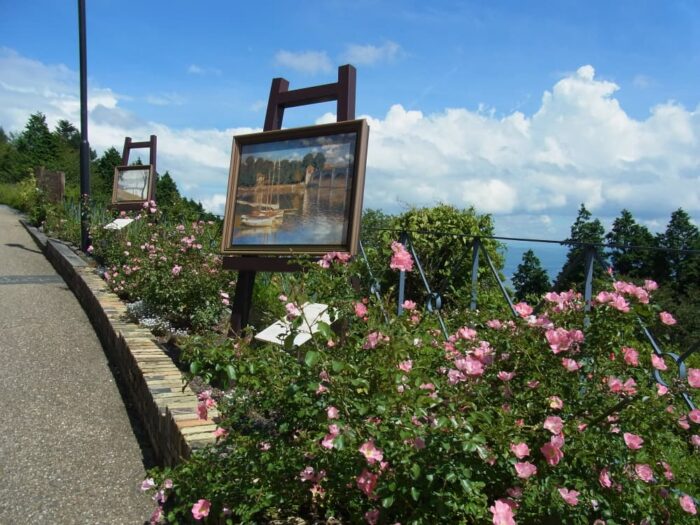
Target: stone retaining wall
pixel 153 382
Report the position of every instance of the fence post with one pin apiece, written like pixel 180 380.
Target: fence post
pixel 476 243
pixel 403 239
pixel 590 252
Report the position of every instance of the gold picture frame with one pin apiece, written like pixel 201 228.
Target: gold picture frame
pixel 296 191
pixel 133 185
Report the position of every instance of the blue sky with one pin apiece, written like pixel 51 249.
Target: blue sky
pixel 524 109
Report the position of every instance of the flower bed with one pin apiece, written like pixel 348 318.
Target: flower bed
pixel 528 420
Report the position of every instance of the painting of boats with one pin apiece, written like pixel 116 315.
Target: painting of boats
pixel 290 190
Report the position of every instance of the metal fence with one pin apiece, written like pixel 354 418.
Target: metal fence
pixel 591 255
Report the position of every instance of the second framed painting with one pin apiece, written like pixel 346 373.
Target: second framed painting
pixel 296 191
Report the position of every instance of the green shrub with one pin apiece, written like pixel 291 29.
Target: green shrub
pixel 537 419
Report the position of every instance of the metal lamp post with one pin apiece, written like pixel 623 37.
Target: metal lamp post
pixel 84 144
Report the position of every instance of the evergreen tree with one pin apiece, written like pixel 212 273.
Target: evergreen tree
pixel 167 193
pixel 585 229
pixel 102 175
pixel 68 133
pixel 530 279
pixel 36 146
pixel 9 161
pixel 680 269
pixel 626 231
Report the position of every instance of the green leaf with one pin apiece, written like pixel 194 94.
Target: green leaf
pixel 325 330
pixel 194 367
pixel 337 366
pixel 388 502
pixel 231 372
pixel 415 493
pixel 311 358
pixel 415 470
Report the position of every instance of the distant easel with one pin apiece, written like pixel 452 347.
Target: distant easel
pixel 281 98
pixel 151 144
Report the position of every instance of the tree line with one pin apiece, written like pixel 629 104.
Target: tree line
pixel 635 254
pixel 59 150
pixel 282 172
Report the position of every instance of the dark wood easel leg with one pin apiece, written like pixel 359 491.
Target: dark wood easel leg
pixel 242 301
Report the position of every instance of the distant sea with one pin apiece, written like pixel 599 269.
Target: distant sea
pixel 551 256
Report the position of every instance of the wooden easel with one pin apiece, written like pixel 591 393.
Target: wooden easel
pixel 151 144
pixel 281 97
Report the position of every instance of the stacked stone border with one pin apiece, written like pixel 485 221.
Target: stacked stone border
pixel 153 382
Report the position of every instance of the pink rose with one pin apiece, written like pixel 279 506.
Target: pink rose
pixel 687 504
pixel 220 432
pixel 661 390
pixel 366 482
pixel 525 469
pixel 505 376
pixel 631 356
pixel 658 362
pixel 523 309
pixel 695 440
pixel 570 496
pixel 520 450
pixel 667 318
pixel 360 310
pixel 372 516
pixel 371 453
pixel 694 377
pixel 401 260
pixel 176 270
pixel 694 415
pixel 644 472
pixel 554 424
pixel 292 311
pixel 409 305
pixel 405 366
pixel 633 441
pixel 604 479
pixel 332 412
pixel 201 509
pixel 552 453
pixel 650 285
pixel 570 364
pixel 502 513
pixel 555 402
pixel 373 339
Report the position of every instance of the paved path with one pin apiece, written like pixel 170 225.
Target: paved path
pixel 68 454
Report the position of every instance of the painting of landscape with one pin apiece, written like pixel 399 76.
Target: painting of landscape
pixel 131 184
pixel 295 192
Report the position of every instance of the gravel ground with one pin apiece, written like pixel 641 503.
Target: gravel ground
pixel 69 453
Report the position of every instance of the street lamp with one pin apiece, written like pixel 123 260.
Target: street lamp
pixel 84 144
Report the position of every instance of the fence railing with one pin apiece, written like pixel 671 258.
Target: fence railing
pixel 591 255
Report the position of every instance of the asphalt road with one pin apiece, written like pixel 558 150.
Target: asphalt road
pixel 68 451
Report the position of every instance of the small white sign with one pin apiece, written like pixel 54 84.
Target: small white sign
pixel 313 313
pixel 118 224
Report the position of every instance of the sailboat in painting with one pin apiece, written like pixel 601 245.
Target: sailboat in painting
pixel 265 214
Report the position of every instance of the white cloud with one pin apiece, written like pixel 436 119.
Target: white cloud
pixel 166 99
pixel 215 203
pixel 194 69
pixel 368 54
pixel 309 62
pixel 531 171
pixel 580 146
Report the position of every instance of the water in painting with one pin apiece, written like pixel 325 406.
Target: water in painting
pixel 132 185
pixel 295 192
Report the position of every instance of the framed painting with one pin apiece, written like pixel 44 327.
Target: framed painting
pixel 133 185
pixel 296 191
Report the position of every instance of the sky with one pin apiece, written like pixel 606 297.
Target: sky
pixel 523 109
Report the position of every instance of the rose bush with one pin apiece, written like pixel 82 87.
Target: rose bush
pixel 379 419
pixel 175 269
